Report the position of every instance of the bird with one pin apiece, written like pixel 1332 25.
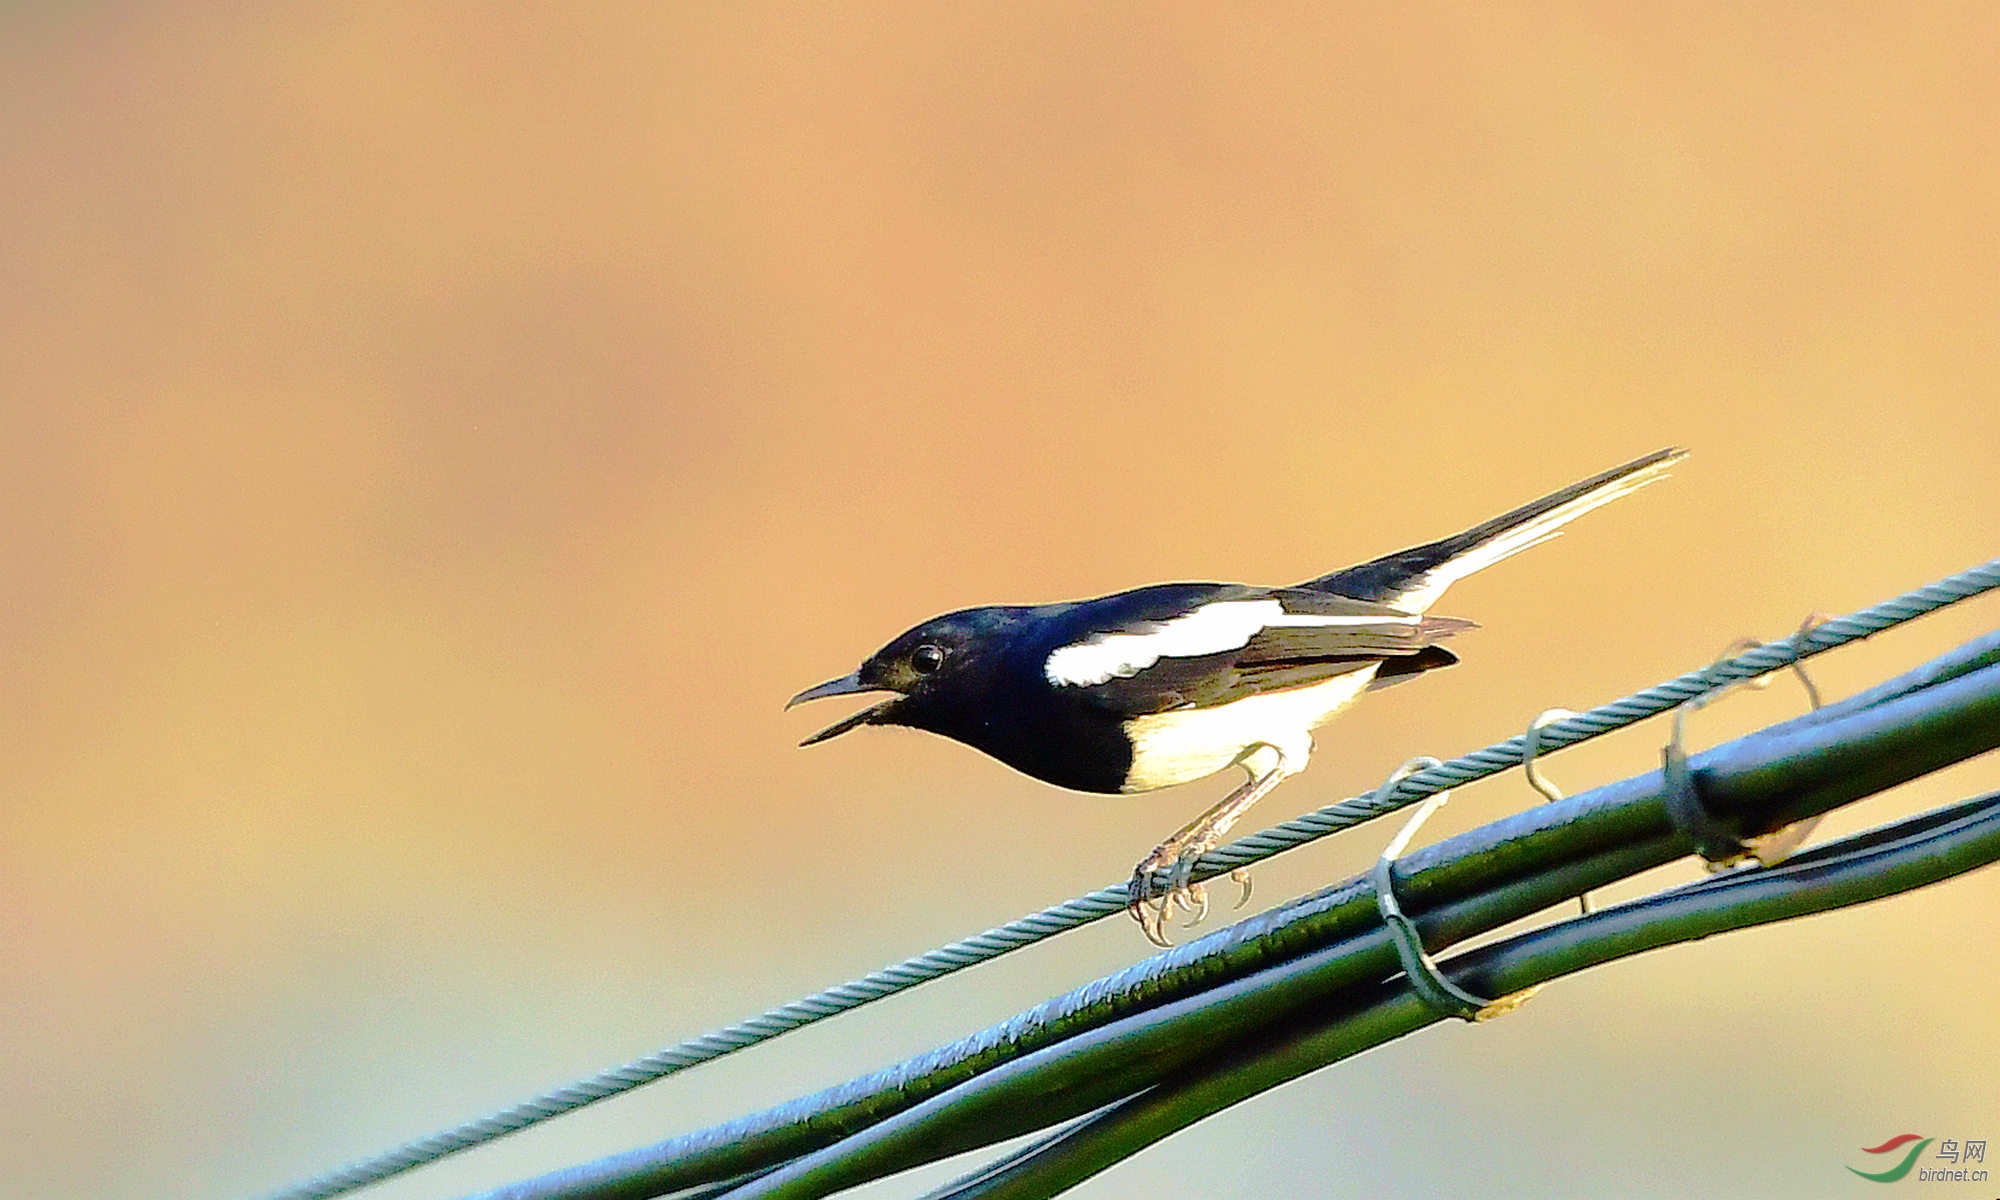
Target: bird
pixel 1169 683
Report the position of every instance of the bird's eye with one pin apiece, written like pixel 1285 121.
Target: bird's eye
pixel 925 659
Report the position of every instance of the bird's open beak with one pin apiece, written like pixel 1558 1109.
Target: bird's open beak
pixel 846 685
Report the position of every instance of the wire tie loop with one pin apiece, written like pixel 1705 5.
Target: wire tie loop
pixel 1718 846
pixel 1531 745
pixel 1429 984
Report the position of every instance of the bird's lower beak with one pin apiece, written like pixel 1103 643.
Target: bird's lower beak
pixel 846 685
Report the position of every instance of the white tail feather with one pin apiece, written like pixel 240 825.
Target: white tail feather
pixel 1426 588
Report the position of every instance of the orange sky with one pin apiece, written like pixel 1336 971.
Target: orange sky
pixel 441 437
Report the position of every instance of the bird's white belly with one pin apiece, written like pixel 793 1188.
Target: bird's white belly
pixel 1190 743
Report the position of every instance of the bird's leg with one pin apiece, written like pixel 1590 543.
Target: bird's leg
pixel 1149 904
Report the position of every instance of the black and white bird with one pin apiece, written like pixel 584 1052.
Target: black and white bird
pixel 1170 683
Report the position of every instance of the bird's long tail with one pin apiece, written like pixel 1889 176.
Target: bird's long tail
pixel 1413 579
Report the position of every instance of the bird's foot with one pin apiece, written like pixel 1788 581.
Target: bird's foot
pixel 1151 902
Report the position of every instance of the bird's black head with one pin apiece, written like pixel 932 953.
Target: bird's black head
pixel 940 668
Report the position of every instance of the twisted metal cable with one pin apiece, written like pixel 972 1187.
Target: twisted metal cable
pixel 1028 930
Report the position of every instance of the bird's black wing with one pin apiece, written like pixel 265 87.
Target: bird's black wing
pixel 1264 640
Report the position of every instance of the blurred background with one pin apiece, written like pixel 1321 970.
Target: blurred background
pixel 438 439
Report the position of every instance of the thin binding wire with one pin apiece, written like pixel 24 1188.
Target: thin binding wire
pixel 1104 902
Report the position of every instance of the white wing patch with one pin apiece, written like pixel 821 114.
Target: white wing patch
pixel 1210 629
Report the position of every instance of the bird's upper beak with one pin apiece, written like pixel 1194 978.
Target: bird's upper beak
pixel 846 685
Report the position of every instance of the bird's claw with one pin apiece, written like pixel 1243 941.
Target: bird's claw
pixel 1148 907
pixel 1194 900
pixel 1151 903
